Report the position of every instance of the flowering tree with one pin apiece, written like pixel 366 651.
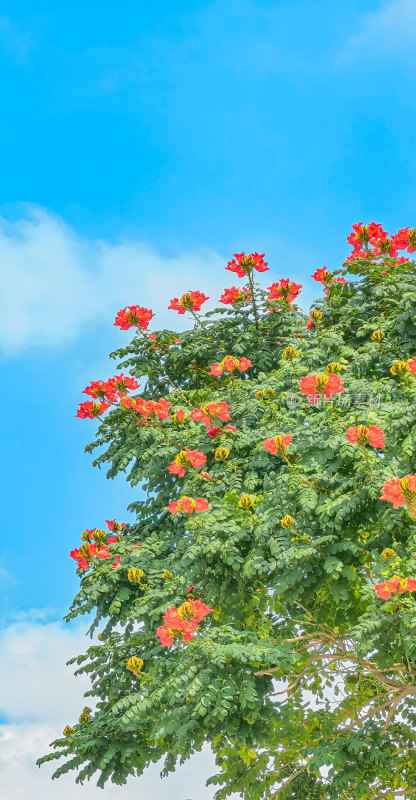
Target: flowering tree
pixel 263 600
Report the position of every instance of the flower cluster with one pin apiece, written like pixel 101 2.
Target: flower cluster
pixel 210 412
pixel 395 586
pixel 316 386
pixel 229 364
pixel 190 301
pixel 90 409
pixel 285 291
pixel 278 445
pixel 133 315
pixel 148 408
pixel 374 435
pixel 400 492
pixel 326 278
pixel 86 552
pixel 112 389
pixel 188 505
pixel 400 368
pixel 181 623
pixel 96 543
pixel 244 264
pixel 186 459
pixel 371 241
pixel 233 295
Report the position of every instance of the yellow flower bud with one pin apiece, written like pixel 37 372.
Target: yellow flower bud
pixel 259 395
pixel 289 353
pixel 377 336
pixel 287 521
pixel 85 536
pixel 388 554
pixel 246 502
pixel 85 716
pixel 400 368
pixel 334 368
pixel 166 574
pixel 98 535
pixel 316 315
pixel 185 610
pixel 182 459
pixel 221 454
pixel 68 731
pixel 134 664
pixel 135 575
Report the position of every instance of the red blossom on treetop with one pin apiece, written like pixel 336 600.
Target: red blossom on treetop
pixel 400 492
pixel 277 445
pixel 190 301
pixel 325 385
pixel 284 290
pixel 361 434
pixel 89 409
pixel 229 364
pixel 133 315
pixel 395 586
pixel 185 459
pixel 112 525
pixel 102 389
pixel 122 383
pixel 243 264
pixel 182 622
pixel 234 295
pixel 189 505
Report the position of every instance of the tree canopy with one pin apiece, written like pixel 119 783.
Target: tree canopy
pixel 262 602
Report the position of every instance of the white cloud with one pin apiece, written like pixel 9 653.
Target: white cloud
pixel 54 285
pixel 39 696
pixel 389 29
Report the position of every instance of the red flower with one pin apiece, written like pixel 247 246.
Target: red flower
pixel 189 505
pixel 185 459
pixel 309 325
pixel 210 411
pixel 103 552
pixel 82 562
pixel 189 588
pixel 243 264
pixel 234 295
pixel 374 434
pixel 278 445
pixel 214 432
pixel 90 409
pixel 190 301
pixel 180 415
pixel 325 385
pixel 244 364
pixel 412 365
pixel 216 369
pixel 112 525
pixel 133 315
pixel 401 491
pixel 284 290
pixel 102 389
pixel 116 563
pixel 321 275
pixel 123 382
pixel 206 476
pixel 395 586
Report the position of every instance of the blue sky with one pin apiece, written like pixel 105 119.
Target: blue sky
pixel 142 144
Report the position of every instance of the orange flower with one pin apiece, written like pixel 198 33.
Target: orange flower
pixel 189 505
pixel 278 445
pixel 373 434
pixel 190 301
pixel 185 459
pixel 400 492
pixel 90 409
pixel 324 385
pixel 234 295
pixel 133 315
pixel 395 586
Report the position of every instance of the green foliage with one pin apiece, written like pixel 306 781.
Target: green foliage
pixel 290 604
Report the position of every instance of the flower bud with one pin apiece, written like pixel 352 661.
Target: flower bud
pixel 388 554
pixel 400 368
pixel 287 521
pixel 246 502
pixel 316 315
pixel 85 536
pixel 85 718
pixel 166 574
pixel 221 454
pixel 334 368
pixel 135 575
pixel 98 535
pixel 68 731
pixel 134 664
pixel 289 353
pixel 259 395
pixel 377 336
